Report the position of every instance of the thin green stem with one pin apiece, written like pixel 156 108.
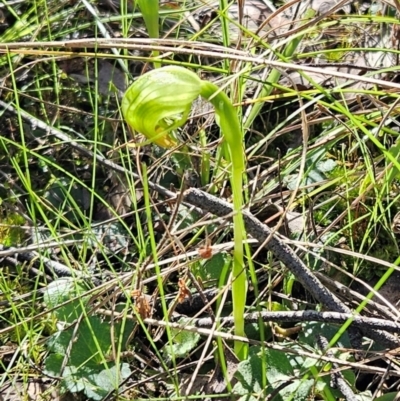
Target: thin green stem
pixel 230 127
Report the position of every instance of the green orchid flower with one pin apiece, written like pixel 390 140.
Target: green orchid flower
pixel 159 102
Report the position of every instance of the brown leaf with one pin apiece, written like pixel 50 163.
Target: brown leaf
pixel 141 304
pixel 184 292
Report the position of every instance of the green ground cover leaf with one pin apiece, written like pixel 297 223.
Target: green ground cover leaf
pixel 80 354
pixel 86 369
pixel 317 167
pixel 212 268
pixel 280 371
pixel 182 342
pixel 59 292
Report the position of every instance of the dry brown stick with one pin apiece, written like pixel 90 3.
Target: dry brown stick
pixel 285 254
pixel 361 322
pixel 337 377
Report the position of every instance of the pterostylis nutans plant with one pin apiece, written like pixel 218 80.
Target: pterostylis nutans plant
pixel 158 103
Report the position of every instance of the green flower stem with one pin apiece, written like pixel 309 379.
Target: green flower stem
pixel 158 103
pixel 230 127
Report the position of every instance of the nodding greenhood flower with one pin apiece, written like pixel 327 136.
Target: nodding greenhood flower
pixel 159 102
